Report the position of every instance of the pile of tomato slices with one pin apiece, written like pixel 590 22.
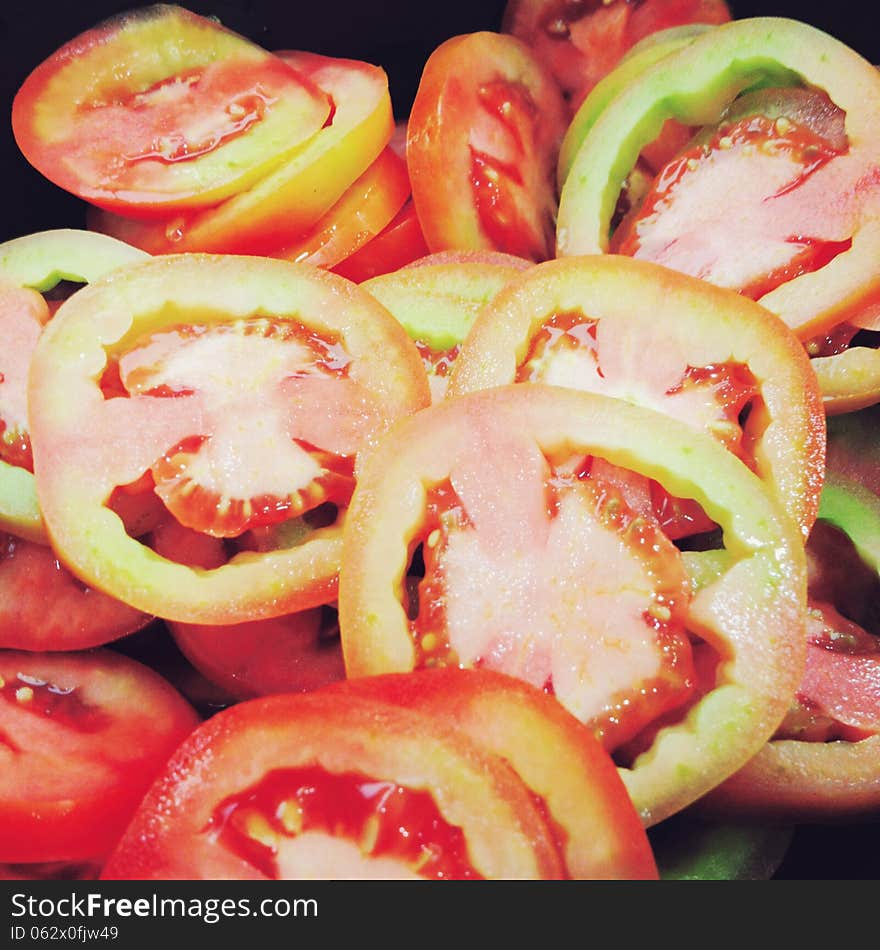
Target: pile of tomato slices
pixel 404 497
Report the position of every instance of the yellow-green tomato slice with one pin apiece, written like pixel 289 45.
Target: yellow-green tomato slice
pixel 171 316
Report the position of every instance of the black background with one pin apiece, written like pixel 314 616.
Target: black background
pixel 399 35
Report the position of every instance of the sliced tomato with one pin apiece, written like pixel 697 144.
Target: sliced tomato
pixel 600 833
pixel 773 93
pixel 288 201
pixel 582 41
pixel 562 586
pixel 44 607
pixel 29 266
pixel 719 362
pixel 161 109
pixel 297 652
pixel 399 243
pixel 437 299
pixel 82 735
pixel 334 786
pixel 365 209
pixel 239 391
pixel 768 148
pixel 824 759
pixel 482 142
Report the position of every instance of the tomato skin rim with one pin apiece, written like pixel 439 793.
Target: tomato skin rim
pixel 173 36
pixel 692 85
pixel 557 757
pixel 40 261
pixel 729 724
pixel 720 324
pixel 338 732
pixel 65 375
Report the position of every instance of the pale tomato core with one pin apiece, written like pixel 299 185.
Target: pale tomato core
pixel 563 586
pixel 282 420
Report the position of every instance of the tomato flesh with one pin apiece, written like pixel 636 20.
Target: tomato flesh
pixel 44 607
pixel 769 159
pixel 231 364
pixel 582 40
pixel 567 643
pixel 386 820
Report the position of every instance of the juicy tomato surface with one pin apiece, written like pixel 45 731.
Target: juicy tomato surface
pixel 240 403
pixel 482 142
pixel 577 594
pixel 160 109
pixel 286 203
pixel 82 735
pixel 335 786
pixel 437 298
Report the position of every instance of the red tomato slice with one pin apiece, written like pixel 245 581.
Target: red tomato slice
pixel 581 42
pixel 82 735
pixel 288 201
pixel 365 209
pixel 399 243
pixel 297 652
pixel 600 833
pixel 44 607
pixel 162 109
pixel 482 141
pixel 333 786
pixel 239 391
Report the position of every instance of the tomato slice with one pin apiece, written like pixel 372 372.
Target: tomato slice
pixel 297 652
pixel 437 298
pixel 399 243
pixel 365 209
pixel 719 362
pixel 241 398
pixel 824 760
pixel 44 607
pixel 694 85
pixel 581 42
pixel 162 109
pixel 482 140
pixel 601 835
pixel 29 266
pixel 287 202
pixel 334 786
pixel 764 152
pixel 633 602
pixel 82 735
pixel 546 562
